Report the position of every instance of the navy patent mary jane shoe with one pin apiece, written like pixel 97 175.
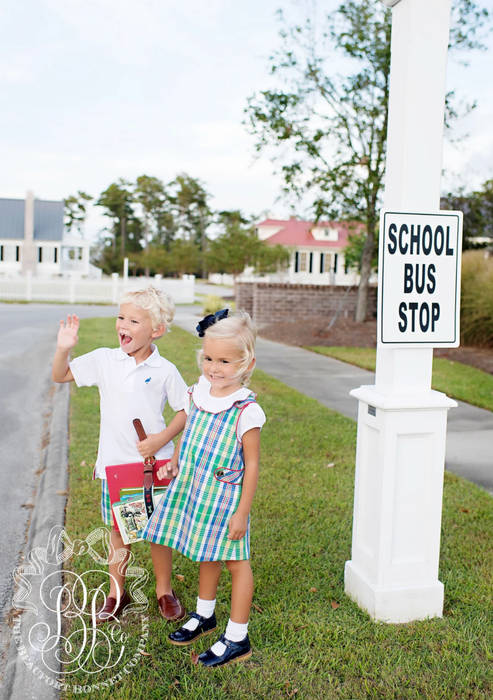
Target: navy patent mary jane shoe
pixel 183 636
pixel 234 652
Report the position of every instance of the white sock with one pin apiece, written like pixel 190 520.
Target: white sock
pixel 235 632
pixel 205 608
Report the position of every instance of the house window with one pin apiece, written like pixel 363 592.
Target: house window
pixel 325 262
pixel 326 232
pixel 9 253
pixel 74 253
pixel 303 259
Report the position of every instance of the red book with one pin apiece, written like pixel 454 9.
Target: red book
pixel 126 476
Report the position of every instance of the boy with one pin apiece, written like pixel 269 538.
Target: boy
pixel 134 381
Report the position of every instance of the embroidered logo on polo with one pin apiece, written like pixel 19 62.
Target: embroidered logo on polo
pixel 148 380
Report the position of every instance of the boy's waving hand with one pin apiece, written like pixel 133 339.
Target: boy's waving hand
pixel 67 335
pixel 67 339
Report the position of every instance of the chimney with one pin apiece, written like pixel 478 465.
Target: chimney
pixel 29 249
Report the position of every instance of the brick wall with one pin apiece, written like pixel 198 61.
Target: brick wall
pixel 244 296
pixel 271 303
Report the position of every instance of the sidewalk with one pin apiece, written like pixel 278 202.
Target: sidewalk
pixel 470 429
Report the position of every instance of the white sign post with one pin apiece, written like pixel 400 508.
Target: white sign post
pixel 393 572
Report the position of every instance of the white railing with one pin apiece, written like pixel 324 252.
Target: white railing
pixel 76 290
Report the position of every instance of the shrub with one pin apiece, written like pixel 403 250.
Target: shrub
pixel 477 299
pixel 213 303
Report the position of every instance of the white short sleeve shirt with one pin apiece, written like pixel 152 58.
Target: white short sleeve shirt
pixel 129 391
pixel 252 415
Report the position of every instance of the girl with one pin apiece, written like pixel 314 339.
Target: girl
pixel 206 511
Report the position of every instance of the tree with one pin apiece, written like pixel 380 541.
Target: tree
pixel 150 194
pixel 238 247
pixel 329 133
pixel 117 199
pixel 156 259
pixel 75 211
pixel 184 257
pixel 353 252
pixel 477 208
pixel 190 207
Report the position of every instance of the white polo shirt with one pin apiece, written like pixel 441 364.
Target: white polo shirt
pixel 129 391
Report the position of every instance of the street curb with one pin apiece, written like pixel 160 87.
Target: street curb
pixel 20 683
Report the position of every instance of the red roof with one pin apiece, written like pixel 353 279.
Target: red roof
pixel 298 233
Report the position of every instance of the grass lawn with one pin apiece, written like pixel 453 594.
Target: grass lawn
pixel 453 378
pixel 310 641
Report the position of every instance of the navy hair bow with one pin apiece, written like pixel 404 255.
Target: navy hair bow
pixel 210 320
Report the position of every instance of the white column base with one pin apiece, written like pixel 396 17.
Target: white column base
pixel 393 572
pixel 396 604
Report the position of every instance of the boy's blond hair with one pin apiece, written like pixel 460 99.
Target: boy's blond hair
pixel 159 306
pixel 240 329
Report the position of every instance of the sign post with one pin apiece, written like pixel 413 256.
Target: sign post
pixel 393 571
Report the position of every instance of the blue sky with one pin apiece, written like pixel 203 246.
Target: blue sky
pixel 93 90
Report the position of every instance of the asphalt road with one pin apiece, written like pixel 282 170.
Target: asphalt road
pixel 27 344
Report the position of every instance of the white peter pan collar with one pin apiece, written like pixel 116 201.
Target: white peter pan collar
pixel 214 404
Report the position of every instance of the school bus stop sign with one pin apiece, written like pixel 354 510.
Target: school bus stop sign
pixel 419 279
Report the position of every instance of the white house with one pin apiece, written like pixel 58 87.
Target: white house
pixel 318 249
pixel 317 252
pixel 32 239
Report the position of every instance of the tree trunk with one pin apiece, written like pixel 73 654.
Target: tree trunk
pixel 146 234
pixel 366 259
pixel 202 239
pixel 124 236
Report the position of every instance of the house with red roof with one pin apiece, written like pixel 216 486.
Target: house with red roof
pixel 317 249
pixel 317 252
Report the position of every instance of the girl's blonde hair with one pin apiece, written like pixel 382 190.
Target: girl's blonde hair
pixel 240 329
pixel 159 306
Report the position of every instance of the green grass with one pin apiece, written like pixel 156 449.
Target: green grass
pixel 453 378
pixel 301 537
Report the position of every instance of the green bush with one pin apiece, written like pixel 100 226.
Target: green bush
pixel 213 303
pixel 477 299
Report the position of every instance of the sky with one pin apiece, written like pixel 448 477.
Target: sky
pixel 95 90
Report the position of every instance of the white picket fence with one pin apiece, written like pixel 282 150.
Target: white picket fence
pixel 77 290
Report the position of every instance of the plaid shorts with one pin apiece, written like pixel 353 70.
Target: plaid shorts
pixel 106 512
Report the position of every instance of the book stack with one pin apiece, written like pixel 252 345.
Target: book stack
pixel 130 512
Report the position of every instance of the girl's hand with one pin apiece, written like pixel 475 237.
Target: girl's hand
pixel 67 335
pixel 238 525
pixel 147 448
pixel 169 471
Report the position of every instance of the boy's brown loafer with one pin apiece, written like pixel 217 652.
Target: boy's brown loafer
pixel 110 611
pixel 170 607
